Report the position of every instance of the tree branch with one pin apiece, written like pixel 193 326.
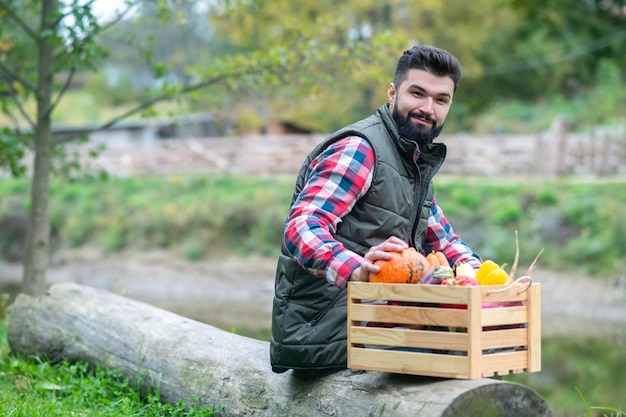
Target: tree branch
pixel 63 16
pixel 120 15
pixel 68 80
pixel 17 76
pixel 61 93
pixel 25 115
pixel 17 19
pixel 18 103
pixel 143 106
pixel 227 73
pixel 14 120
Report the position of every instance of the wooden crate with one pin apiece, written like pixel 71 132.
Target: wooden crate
pixel 441 331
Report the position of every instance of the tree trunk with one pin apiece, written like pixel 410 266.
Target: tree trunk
pixel 38 236
pixel 203 365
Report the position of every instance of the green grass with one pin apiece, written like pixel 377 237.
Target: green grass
pixel 573 367
pixel 577 223
pixel 612 411
pixel 196 216
pixel 33 387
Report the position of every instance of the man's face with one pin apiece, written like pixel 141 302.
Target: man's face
pixel 420 104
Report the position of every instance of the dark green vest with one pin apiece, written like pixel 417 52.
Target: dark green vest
pixel 309 328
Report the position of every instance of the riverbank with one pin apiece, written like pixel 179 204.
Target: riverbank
pixel 236 293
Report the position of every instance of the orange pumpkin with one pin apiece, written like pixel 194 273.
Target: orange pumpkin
pixel 437 258
pixel 406 267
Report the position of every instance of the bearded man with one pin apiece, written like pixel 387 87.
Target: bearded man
pixel 365 191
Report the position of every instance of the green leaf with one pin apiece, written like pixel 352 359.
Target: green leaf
pixel 49 386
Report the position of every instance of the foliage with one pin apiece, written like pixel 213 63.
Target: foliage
pixel 361 87
pixel 12 150
pixel 576 223
pixel 524 51
pixel 198 216
pixel 607 98
pixel 573 221
pixel 34 387
pixel 64 43
pixel 618 412
pixel 558 45
pixel 503 116
pixel 571 367
pixel 168 46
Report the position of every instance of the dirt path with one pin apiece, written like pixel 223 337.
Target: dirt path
pixel 235 292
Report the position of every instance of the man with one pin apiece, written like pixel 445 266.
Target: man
pixel 364 192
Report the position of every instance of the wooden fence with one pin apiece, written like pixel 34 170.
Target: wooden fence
pixel 554 153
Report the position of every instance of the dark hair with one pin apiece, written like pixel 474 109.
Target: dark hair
pixel 431 59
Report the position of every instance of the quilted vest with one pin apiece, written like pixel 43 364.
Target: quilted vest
pixel 309 315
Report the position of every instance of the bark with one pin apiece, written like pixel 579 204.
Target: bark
pixel 201 364
pixel 38 236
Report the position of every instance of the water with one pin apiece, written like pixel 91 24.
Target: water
pixel 577 367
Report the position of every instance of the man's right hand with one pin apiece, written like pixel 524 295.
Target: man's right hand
pixel 376 253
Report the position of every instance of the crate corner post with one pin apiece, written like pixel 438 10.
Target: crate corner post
pixel 534 328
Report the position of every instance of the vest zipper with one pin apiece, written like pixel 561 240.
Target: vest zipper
pixel 323 311
pixel 423 185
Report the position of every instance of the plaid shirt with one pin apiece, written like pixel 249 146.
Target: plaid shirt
pixel 335 181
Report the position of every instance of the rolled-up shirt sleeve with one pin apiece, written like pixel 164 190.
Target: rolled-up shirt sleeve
pixel 441 237
pixel 335 181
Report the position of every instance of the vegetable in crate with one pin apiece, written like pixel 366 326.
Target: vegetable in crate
pixel 497 276
pixel 486 267
pixel 437 274
pixel 436 258
pixel 464 269
pixel 406 267
pixel 462 281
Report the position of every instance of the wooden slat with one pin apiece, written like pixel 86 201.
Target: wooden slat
pixel 446 366
pixel 408 338
pixel 408 315
pixel 440 365
pixel 534 329
pixel 504 363
pixel 501 316
pixel 497 339
pixel 408 292
pixel 474 331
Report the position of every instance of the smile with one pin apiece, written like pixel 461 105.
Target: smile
pixel 423 119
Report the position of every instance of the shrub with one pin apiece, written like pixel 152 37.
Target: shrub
pixel 578 224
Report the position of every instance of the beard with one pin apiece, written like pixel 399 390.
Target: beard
pixel 423 135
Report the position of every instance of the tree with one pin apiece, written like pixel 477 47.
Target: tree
pixel 521 49
pixel 452 25
pixel 553 47
pixel 44 44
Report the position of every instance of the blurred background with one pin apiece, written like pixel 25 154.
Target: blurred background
pixel 178 128
pixel 526 62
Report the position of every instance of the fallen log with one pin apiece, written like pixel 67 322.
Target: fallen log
pixel 203 365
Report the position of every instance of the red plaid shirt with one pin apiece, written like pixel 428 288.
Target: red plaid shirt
pixel 335 181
